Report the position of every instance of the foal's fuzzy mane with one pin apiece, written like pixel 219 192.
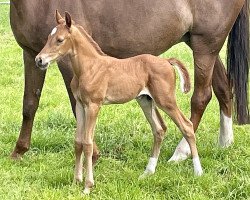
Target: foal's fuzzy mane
pixel 90 39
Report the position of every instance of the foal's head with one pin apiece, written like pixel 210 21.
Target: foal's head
pixel 58 43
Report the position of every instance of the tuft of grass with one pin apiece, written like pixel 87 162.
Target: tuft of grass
pixel 124 139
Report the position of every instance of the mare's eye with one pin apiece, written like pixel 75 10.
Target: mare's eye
pixel 60 40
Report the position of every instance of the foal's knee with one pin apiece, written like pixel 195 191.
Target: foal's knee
pixel 78 146
pixel 159 135
pixel 87 148
pixel 188 130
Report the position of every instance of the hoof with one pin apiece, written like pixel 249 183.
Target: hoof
pixel 86 191
pixel 145 174
pixel 182 152
pixel 179 156
pixel 198 172
pixel 15 156
pixel 77 180
pixel 225 142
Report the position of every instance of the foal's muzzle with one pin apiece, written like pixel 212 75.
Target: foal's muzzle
pixel 41 63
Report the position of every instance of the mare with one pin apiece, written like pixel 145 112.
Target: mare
pixel 128 28
pixel 100 79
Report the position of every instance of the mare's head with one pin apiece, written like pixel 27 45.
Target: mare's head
pixel 58 43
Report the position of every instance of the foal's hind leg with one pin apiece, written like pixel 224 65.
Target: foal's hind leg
pixel 185 126
pixel 223 93
pixel 158 128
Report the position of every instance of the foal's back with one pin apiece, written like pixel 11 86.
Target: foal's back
pixel 129 77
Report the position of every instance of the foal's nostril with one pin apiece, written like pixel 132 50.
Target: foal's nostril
pixel 39 61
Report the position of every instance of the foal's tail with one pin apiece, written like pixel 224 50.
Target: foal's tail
pixel 183 73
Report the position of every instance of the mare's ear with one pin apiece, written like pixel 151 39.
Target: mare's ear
pixel 59 18
pixel 68 20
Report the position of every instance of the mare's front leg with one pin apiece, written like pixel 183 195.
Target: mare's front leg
pixel 34 80
pixel 158 128
pixel 91 112
pixel 204 62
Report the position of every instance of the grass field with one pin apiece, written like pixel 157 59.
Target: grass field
pixel 124 138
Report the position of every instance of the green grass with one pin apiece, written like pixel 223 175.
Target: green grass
pixel 124 138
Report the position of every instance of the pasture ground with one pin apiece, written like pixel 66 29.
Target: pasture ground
pixel 124 138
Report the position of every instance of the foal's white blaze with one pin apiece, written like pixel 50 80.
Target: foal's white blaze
pixel 197 166
pixel 182 151
pixel 53 31
pixel 226 130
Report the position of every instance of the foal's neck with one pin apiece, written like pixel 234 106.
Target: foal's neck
pixel 87 45
pixel 84 50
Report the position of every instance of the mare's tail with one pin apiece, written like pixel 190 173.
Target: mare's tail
pixel 238 63
pixel 183 73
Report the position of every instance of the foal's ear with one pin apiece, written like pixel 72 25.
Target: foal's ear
pixel 68 20
pixel 59 18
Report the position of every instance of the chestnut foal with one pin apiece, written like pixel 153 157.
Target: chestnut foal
pixel 100 79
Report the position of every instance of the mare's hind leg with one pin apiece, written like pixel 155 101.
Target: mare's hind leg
pixel 223 93
pixel 67 74
pixel 34 80
pixel 204 60
pixel 158 128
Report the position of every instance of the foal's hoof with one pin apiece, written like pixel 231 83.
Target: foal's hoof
pixel 86 191
pixel 198 172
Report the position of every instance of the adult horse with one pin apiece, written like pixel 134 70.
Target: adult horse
pixel 127 28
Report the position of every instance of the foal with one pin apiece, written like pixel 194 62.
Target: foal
pixel 100 79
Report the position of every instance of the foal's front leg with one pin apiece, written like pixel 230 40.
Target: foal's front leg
pixel 80 113
pixel 91 112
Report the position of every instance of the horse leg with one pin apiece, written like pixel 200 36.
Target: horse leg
pixel 223 93
pixel 186 128
pixel 79 141
pixel 67 74
pixel 91 112
pixel 204 64
pixel 158 128
pixel 34 80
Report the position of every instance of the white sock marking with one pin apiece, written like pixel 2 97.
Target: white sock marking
pixel 197 166
pixel 226 130
pixel 150 169
pixel 181 152
pixel 151 165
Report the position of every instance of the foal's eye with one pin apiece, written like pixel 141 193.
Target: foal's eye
pixel 60 40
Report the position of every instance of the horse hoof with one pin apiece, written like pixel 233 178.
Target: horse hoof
pixel 86 191
pixel 179 156
pixel 198 172
pixel 145 174
pixel 225 142
pixel 15 156
pixel 77 180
